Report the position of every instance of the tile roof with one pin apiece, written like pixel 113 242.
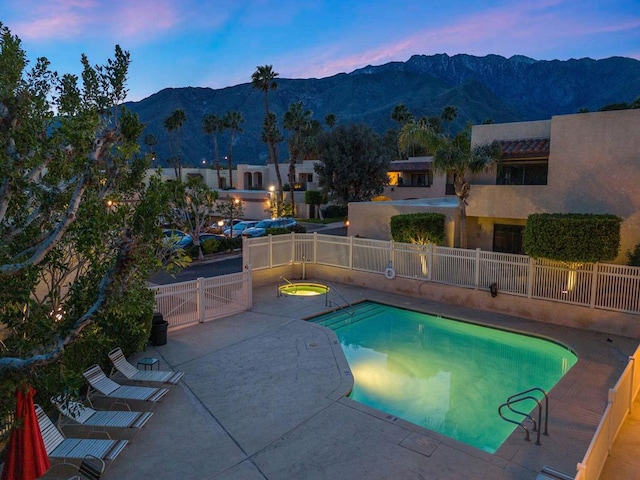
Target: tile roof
pixel 527 148
pixel 409 166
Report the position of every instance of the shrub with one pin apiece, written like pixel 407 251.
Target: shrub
pixel 334 211
pixel 211 246
pixel 418 228
pixel 572 237
pixel 277 231
pixel 298 229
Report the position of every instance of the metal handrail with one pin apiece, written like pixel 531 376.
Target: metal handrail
pixel 329 302
pixel 520 397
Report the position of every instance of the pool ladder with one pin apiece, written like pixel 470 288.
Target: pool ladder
pixel 524 396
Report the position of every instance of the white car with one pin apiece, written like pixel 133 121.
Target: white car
pixel 240 227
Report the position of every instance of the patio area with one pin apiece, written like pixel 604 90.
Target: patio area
pixel 263 397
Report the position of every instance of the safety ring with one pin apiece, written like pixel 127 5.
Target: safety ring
pixel 390 273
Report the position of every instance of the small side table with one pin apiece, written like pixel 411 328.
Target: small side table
pixel 149 362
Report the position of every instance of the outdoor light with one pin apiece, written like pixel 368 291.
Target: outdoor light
pixel 221 223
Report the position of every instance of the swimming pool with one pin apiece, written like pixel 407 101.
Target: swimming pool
pixel 445 375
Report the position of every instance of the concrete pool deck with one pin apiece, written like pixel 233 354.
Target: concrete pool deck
pixel 263 397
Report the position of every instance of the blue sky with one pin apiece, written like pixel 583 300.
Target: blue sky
pixel 219 43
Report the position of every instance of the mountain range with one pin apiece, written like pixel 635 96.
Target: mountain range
pixel 490 88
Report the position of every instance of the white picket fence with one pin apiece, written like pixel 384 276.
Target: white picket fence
pixel 620 403
pixel 594 285
pixel 204 299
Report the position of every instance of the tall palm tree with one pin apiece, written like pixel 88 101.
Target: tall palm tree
pixel 213 124
pixel 174 123
pixel 233 120
pixel 456 157
pixel 449 114
pixel 296 120
pixel 264 78
pixel 271 135
pixel 401 115
pixel 330 119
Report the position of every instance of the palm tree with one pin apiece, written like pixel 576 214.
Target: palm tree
pixel 330 119
pixel 452 156
pixel 271 135
pixel 449 114
pixel 233 121
pixel 401 115
pixel 296 120
pixel 174 123
pixel 213 125
pixel 264 78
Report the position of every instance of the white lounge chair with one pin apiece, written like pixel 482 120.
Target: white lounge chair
pixel 100 384
pixel 59 447
pixel 91 468
pixel 121 364
pixel 74 413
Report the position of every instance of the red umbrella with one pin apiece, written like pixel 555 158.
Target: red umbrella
pixel 27 457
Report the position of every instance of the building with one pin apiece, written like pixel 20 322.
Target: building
pixel 582 163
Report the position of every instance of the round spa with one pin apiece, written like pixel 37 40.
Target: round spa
pixel 303 289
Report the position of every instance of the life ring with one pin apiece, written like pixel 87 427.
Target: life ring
pixel 390 273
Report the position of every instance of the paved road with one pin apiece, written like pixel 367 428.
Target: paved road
pixel 232 263
pixel 222 266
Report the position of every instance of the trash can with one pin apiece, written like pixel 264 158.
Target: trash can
pixel 159 327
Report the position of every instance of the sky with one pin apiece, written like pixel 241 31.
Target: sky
pixel 219 43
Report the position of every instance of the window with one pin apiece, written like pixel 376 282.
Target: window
pixel 421 179
pixel 522 173
pixel 508 238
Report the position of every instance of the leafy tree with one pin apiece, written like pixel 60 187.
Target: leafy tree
pixel 297 120
pixel 230 208
pixel 194 204
pixel 173 123
pixel 79 229
pixel 233 121
pixel 353 164
pixel 213 125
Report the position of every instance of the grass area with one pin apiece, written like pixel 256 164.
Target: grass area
pixel 323 221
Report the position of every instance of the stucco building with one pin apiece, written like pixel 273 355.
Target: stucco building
pixel 582 163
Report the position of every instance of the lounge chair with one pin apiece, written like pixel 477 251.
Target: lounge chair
pixel 59 447
pixel 100 384
pixel 74 413
pixel 121 364
pixel 91 468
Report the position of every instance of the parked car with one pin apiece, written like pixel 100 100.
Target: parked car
pixel 215 228
pixel 176 238
pixel 261 228
pixel 240 227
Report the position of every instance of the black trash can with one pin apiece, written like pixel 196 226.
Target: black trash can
pixel 159 327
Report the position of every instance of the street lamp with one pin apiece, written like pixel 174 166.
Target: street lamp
pixel 272 203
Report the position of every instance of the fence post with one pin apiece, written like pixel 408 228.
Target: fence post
pixel 392 252
pixel 530 276
pixel 350 253
pixel 476 279
pixel 315 247
pixel 430 261
pixel 200 306
pixel 611 429
pixel 594 284
pixel 270 251
pixel 248 284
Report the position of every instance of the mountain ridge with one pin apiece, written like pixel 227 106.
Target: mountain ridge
pixel 493 87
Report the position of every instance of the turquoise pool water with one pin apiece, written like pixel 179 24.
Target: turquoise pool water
pixel 444 375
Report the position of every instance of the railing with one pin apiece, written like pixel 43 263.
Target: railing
pixel 204 299
pixel 593 285
pixel 524 397
pixel 621 398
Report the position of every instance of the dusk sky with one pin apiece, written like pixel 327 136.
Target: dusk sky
pixel 219 43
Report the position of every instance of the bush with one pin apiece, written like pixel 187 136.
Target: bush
pixel 298 229
pixel 211 246
pixel 334 211
pixel 277 231
pixel 572 237
pixel 314 197
pixel 418 228
pixel 634 257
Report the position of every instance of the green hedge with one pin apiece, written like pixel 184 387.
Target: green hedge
pixel 634 257
pixel 418 228
pixel 572 237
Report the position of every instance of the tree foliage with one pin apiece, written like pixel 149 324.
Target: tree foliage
pixel 418 228
pixel 572 237
pixel 78 227
pixel 353 164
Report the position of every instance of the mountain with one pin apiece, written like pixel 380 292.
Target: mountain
pixel 481 88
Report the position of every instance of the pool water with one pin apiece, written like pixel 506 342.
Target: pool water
pixel 445 375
